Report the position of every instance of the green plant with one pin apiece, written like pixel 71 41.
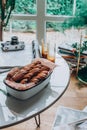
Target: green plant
pixel 82 48
pixel 78 49
pixel 80 18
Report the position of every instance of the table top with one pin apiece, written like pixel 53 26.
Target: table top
pixel 13 111
pixel 13 58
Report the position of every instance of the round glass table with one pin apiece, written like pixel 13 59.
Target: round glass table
pixel 14 111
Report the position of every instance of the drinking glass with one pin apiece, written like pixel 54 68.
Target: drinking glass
pixel 51 51
pixel 44 50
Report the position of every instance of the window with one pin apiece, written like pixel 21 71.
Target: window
pixel 25 7
pixel 41 15
pixel 59 7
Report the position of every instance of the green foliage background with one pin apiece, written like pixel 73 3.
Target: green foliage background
pixel 54 7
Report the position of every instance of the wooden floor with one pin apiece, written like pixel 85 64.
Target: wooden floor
pixel 74 97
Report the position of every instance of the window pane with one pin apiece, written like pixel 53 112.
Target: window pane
pixel 24 26
pixel 25 30
pixel 59 7
pixel 81 7
pixel 25 7
pixel 56 34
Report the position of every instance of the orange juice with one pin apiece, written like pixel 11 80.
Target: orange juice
pixel 44 55
pixel 44 50
pixel 51 52
pixel 52 59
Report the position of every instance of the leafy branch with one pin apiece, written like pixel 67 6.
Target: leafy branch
pixel 78 50
pixel 79 20
pixel 82 48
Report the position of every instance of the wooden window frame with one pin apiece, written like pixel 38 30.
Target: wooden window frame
pixel 41 18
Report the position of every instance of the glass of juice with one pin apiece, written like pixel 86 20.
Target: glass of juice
pixel 51 52
pixel 44 50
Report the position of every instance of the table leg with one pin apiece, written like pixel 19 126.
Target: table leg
pixel 37 120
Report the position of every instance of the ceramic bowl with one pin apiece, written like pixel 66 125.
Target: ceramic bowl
pixel 27 93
